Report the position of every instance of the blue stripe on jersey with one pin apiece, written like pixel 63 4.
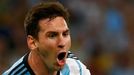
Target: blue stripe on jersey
pixel 65 70
pixel 16 65
pixel 27 73
pixel 20 73
pixel 77 61
pixel 18 68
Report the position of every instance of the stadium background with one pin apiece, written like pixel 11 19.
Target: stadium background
pixel 102 33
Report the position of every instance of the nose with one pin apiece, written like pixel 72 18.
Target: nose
pixel 60 46
pixel 61 42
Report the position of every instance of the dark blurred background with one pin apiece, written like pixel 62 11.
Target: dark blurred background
pixel 102 33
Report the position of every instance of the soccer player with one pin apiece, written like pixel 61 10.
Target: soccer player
pixel 48 39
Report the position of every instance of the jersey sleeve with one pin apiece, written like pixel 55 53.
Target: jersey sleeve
pixel 74 67
pixel 85 71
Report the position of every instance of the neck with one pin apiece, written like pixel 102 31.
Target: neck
pixel 38 65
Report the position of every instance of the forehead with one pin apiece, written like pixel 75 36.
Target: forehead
pixel 57 24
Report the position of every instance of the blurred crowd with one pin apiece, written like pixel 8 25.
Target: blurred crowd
pixel 102 33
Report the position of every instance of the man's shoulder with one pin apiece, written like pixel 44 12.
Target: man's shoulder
pixel 71 55
pixel 18 64
pixel 74 66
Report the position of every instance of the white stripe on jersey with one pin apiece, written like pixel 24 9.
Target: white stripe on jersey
pixel 14 65
pixel 22 65
pixel 20 73
pixel 85 71
pixel 74 67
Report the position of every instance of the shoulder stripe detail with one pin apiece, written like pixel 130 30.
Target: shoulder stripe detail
pixel 14 66
pixel 23 71
pixel 27 73
pixel 84 69
pixel 71 55
pixel 79 67
pixel 16 69
pixel 73 66
pixel 66 70
pixel 20 70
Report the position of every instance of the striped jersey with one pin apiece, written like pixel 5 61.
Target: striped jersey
pixel 73 66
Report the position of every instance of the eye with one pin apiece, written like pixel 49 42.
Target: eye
pixel 52 35
pixel 65 34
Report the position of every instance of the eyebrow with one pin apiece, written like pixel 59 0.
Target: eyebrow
pixel 67 30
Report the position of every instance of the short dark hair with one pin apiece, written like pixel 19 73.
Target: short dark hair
pixel 43 11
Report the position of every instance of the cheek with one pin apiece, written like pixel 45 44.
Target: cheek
pixel 68 41
pixel 48 44
pixel 47 48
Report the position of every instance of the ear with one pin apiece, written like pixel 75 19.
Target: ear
pixel 31 42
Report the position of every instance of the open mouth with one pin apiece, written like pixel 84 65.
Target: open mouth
pixel 61 55
pixel 61 58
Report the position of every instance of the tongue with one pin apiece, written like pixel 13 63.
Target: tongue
pixel 61 59
pixel 61 62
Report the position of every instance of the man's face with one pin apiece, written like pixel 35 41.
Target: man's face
pixel 53 42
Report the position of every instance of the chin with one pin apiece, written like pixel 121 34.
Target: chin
pixel 57 68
